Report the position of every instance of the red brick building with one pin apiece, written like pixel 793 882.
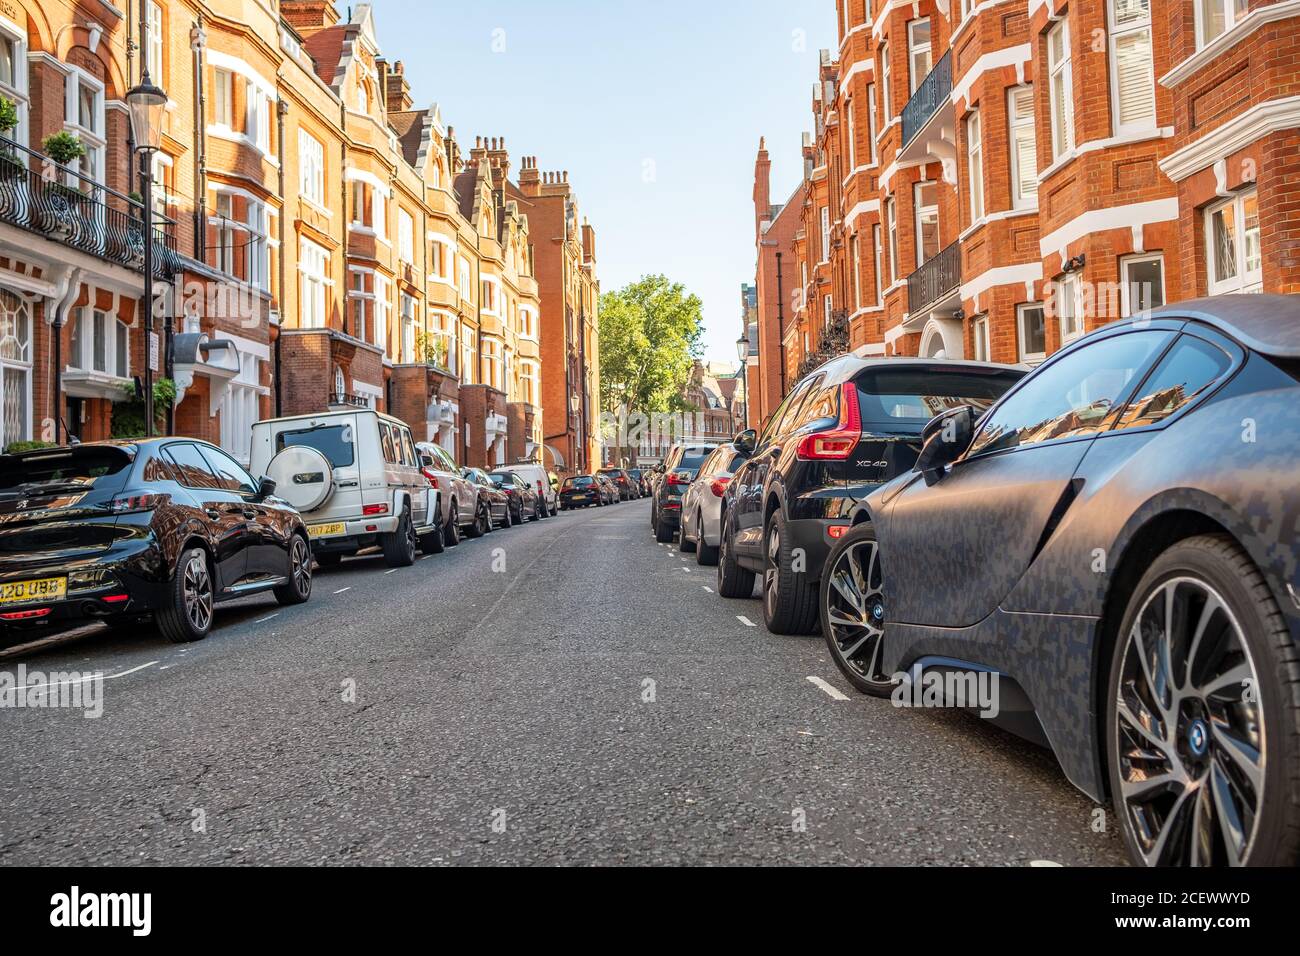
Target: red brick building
pixel 994 179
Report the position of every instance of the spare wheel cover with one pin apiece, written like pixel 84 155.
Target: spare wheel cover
pixel 303 477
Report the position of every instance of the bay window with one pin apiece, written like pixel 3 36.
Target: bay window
pixel 100 343
pixel 1024 147
pixel 313 263
pixel 1216 17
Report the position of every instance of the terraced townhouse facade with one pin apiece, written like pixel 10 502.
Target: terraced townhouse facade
pixel 994 179
pixel 321 241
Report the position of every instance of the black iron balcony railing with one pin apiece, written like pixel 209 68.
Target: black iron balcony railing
pixel 350 401
pixel 934 91
pixel 938 277
pixel 43 197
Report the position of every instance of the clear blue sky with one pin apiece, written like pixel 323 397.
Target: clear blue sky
pixel 603 88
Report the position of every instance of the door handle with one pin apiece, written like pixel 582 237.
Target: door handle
pixel 250 513
pixel 213 513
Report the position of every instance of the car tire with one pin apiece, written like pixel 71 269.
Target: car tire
pixel 789 602
pixel 297 590
pixel 733 580
pixel 706 555
pixel 187 615
pixel 434 542
pixel 684 544
pixel 451 533
pixel 853 622
pixel 399 546
pixel 1209 717
pixel 476 530
pixel 664 532
pixel 329 559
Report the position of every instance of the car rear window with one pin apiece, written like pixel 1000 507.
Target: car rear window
pixel 691 463
pixel 332 441
pixel 62 471
pixel 582 482
pixel 914 396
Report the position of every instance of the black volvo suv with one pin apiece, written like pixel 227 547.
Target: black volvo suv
pixel 113 531
pixel 842 431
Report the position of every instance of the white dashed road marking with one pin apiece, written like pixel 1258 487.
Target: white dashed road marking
pixel 835 694
pixel 745 621
pixel 341 590
pixel 707 588
pixel 263 620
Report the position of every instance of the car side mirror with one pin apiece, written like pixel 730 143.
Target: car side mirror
pixel 265 487
pixel 746 441
pixel 945 439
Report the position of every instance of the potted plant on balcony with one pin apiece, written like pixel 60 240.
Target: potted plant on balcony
pixel 61 204
pixel 11 166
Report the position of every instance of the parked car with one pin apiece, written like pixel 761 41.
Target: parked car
pixel 680 468
pixel 610 494
pixel 356 478
pixel 642 480
pixel 537 478
pixel 844 429
pixel 525 503
pixel 457 497
pixel 1117 540
pixel 493 510
pixel 627 488
pixel 580 491
pixel 167 528
pixel 701 529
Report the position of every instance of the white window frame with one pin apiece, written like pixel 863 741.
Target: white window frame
pixel 313 265
pixel 980 338
pixel 878 253
pixel 467 356
pixel 851 130
pixel 826 234
pixel 464 284
pixel 891 221
pixel 1068 293
pixel 917 210
pixel 1021 126
pixel 311 168
pixel 1119 33
pixel 92 137
pixel 405 236
pixel 886 99
pixel 1246 279
pixel 1233 11
pixel 154 56
pixel 871 122
pixel 975 165
pixel 18 310
pixel 1059 78
pixel 1125 285
pixel 86 337
pixel 915 49
pixel 223 98
pixel 1026 356
pixel 383 310
pixel 17 91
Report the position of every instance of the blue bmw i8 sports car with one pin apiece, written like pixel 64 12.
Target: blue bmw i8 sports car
pixel 1116 541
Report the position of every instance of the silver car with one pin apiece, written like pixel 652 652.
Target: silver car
pixel 701 527
pixel 457 496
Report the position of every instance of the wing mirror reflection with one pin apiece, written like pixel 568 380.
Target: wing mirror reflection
pixel 945 439
pixel 746 441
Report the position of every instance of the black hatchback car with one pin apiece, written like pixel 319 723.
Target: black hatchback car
pixel 1118 541
pixel 580 491
pixel 115 530
pixel 846 428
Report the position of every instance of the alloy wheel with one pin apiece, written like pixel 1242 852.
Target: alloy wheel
pixel 197 589
pixel 1190 736
pixel 855 609
pixel 300 558
pixel 772 570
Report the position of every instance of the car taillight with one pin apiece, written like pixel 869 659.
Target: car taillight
pixel 676 478
pixel 433 479
pixel 718 486
pixel 374 509
pixel 838 443
pixel 539 489
pixel 25 615
pixel 130 504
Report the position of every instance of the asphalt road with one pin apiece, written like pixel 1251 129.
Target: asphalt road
pixel 498 718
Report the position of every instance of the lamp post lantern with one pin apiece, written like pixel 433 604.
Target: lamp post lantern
pixel 146 103
pixel 742 347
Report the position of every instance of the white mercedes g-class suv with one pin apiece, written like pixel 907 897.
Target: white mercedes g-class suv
pixel 355 477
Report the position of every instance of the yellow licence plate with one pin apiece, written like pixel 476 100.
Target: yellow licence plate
pixel 327 530
pixel 43 589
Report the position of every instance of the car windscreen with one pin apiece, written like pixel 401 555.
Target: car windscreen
pixel 908 396
pixel 497 480
pixel 63 472
pixel 332 441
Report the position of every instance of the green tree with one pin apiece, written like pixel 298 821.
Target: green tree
pixel 650 335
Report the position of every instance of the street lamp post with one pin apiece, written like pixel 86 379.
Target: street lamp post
pixel 742 350
pixel 146 103
pixel 574 404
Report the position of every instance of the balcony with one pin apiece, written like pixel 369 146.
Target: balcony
pixel 935 285
pixel 929 121
pixel 78 212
